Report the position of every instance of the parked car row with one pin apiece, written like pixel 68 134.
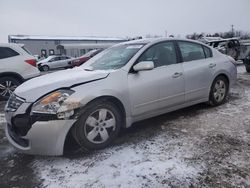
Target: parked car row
pixel 82 59
pixel 62 61
pixel 124 84
pixel 17 65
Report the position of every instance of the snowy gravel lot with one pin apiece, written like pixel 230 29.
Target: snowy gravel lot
pixel 199 146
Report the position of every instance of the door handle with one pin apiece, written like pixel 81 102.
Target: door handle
pixel 212 65
pixel 177 74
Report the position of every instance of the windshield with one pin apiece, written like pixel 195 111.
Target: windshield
pixel 113 58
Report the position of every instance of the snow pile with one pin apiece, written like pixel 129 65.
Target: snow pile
pixel 241 69
pixel 152 163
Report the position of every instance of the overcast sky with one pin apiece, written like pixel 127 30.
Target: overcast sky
pixel 121 18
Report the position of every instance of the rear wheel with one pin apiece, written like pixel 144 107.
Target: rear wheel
pixel 219 91
pixel 7 86
pixel 98 126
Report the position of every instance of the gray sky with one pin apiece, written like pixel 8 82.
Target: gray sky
pixel 121 18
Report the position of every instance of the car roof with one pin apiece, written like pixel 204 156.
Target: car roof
pixel 156 40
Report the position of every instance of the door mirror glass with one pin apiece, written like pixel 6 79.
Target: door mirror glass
pixel 144 65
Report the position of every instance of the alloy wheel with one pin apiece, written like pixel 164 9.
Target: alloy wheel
pixel 99 126
pixel 219 91
pixel 45 68
pixel 7 87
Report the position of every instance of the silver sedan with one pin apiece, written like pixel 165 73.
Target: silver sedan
pixel 126 83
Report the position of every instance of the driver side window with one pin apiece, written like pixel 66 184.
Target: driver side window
pixel 161 54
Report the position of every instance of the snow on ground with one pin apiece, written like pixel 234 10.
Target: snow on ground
pixel 199 146
pixel 2 119
pixel 241 69
pixel 149 163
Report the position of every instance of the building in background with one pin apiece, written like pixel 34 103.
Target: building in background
pixel 44 46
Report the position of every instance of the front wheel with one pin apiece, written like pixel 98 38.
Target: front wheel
pixel 98 126
pixel 218 91
pixel 45 68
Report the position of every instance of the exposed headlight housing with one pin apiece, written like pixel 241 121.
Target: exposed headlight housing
pixel 14 103
pixel 51 102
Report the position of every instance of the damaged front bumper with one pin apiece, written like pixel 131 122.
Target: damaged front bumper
pixel 32 135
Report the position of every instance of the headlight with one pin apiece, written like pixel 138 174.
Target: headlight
pixel 51 102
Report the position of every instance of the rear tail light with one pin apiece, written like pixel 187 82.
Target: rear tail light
pixel 31 62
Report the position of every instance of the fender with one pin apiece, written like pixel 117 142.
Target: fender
pixel 12 74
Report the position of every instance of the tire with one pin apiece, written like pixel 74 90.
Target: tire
pixel 45 68
pixel 7 86
pixel 99 124
pixel 40 68
pixel 219 91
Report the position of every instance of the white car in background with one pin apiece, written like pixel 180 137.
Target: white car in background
pixel 16 66
pixel 54 61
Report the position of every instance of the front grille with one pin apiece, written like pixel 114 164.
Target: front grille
pixel 14 103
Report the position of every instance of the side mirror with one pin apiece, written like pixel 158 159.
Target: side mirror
pixel 144 65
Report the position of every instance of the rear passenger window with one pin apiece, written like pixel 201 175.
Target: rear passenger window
pixel 6 52
pixel 207 51
pixel 191 51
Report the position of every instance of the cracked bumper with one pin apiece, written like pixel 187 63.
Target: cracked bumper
pixel 43 138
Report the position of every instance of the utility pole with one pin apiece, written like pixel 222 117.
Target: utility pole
pixel 166 33
pixel 232 29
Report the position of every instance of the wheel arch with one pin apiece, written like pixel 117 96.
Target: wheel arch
pixel 115 101
pixel 45 65
pixel 224 75
pixel 70 141
pixel 12 74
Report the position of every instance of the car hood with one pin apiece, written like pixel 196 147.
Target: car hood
pixel 33 89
